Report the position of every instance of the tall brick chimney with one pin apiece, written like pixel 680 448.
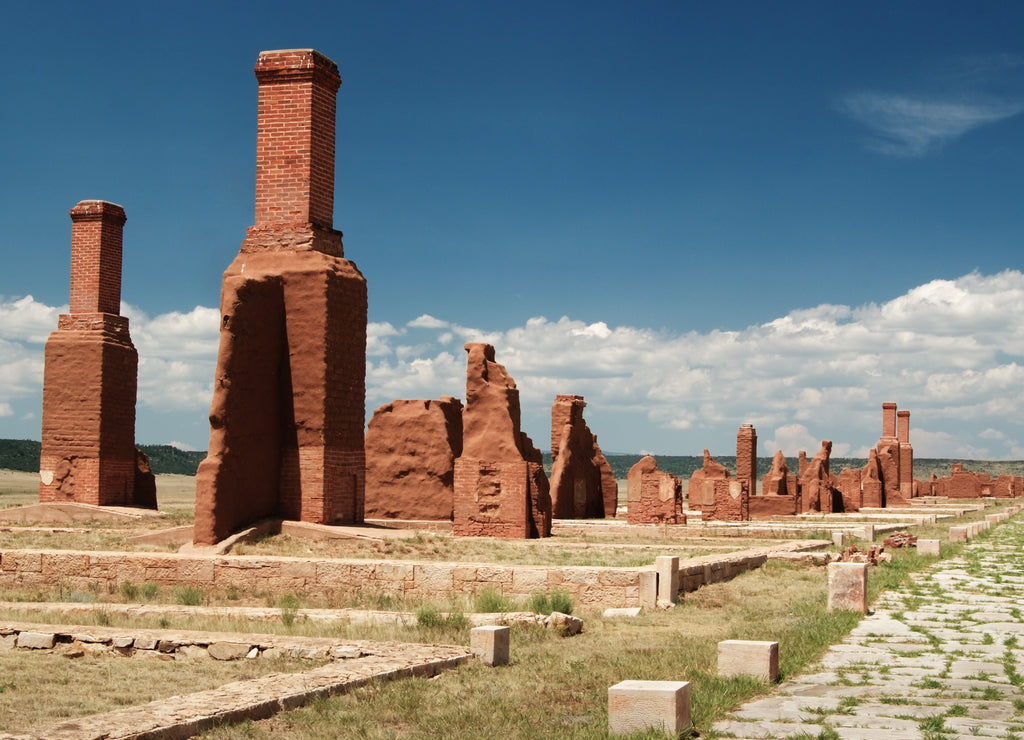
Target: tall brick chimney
pixel 90 377
pixel 288 410
pixel 295 138
pixel 96 228
pixel 746 456
pixel 889 420
pixel 906 454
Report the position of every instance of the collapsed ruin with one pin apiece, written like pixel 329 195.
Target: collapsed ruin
pixel 653 496
pixel 582 482
pixel 500 486
pixel 287 416
pixel 90 378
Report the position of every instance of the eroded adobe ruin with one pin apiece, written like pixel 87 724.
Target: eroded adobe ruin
pixel 582 482
pixel 411 447
pixel 287 413
pixel 653 496
pixel 90 378
pixel 500 486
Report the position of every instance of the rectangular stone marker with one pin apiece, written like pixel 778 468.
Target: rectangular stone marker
pixel 648 589
pixel 668 578
pixel 839 539
pixel 757 658
pixel 868 532
pixel 958 534
pixel 992 518
pixel 848 586
pixel 490 644
pixel 929 547
pixel 36 640
pixel 635 706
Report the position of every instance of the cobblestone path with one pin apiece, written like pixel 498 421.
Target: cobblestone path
pixel 942 659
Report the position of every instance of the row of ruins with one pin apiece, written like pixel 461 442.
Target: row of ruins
pixel 288 436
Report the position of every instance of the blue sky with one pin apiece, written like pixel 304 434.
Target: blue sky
pixel 695 215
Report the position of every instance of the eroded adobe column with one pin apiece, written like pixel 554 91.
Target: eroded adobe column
pixel 888 448
pixel 91 373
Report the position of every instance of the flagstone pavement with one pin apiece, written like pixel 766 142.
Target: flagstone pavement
pixel 941 659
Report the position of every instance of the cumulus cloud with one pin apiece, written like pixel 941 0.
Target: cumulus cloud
pixel 949 350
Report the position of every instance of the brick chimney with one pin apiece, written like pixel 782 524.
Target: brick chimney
pixel 295 138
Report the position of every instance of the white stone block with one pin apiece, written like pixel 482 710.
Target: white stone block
pixel 667 567
pixel 36 640
pixel 629 611
pixel 757 658
pixel 958 534
pixel 635 706
pixel 929 547
pixel 649 589
pixel 490 644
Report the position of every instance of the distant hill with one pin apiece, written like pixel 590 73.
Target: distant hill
pixel 23 454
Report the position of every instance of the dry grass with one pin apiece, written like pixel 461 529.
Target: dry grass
pixel 40 687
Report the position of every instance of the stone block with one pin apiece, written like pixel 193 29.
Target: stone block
pixel 757 658
pixel 667 567
pixel 630 611
pixel 848 586
pixel 992 518
pixel 490 644
pixel 228 650
pixel 36 640
pixel 868 532
pixel 839 539
pixel 958 534
pixel 649 589
pixel 929 547
pixel 636 706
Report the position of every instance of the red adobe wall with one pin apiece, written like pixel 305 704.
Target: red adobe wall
pixel 653 496
pixel 90 377
pixel 287 415
pixel 724 500
pixel 500 486
pixel 411 447
pixel 582 482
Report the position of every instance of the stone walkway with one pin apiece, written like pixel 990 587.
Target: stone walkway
pixel 942 659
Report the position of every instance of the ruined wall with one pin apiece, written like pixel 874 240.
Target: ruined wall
pixel 849 486
pixel 500 486
pixel 411 447
pixel 653 496
pixel 578 480
pixel 872 493
pixel 287 413
pixel 90 378
pixel 906 455
pixel 723 500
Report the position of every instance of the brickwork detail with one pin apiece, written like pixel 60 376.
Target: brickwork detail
pixel 287 414
pixel 90 378
pixel 582 482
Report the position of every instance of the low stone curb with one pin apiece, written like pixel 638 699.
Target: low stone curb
pixel 259 698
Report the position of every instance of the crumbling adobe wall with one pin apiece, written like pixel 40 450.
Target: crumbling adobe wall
pixel 746 456
pixel 579 472
pixel 653 496
pixel 849 486
pixel 872 493
pixel 710 470
pixel 90 378
pixel 723 500
pixel 778 492
pixel 411 447
pixel 287 413
pixel 817 484
pixel 500 486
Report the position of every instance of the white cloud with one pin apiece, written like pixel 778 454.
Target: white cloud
pixel 945 350
pixel 913 126
pixel 6 410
